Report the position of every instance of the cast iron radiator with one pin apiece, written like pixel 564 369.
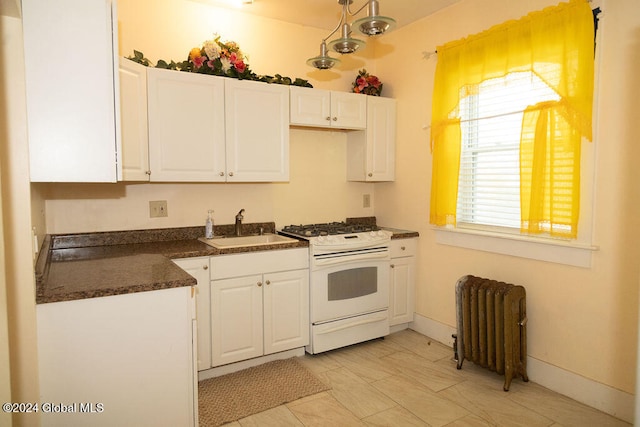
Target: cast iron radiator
pixel 492 326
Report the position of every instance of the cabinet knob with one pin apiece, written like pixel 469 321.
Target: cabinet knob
pixel 230 173
pixel 328 118
pixel 259 283
pixel 268 282
pixel 402 248
pixel 205 267
pixel 148 172
pixel 335 119
pixel 393 266
pixel 221 174
pixel 369 174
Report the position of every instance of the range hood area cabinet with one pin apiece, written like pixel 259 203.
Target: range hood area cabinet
pixel 324 108
pixel 202 128
pixel 71 85
pixel 371 152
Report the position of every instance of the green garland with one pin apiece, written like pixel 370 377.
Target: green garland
pixel 232 72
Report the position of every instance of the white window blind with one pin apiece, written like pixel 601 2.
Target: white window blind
pixel 491 120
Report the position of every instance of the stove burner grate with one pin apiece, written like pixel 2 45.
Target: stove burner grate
pixel 313 230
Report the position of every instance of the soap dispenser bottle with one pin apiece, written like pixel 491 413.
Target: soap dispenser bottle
pixel 208 228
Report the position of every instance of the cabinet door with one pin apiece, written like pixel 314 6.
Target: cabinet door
pixel 199 268
pixel 371 152
pixel 257 131
pixel 133 121
pixel 381 139
pixel 286 310
pixel 70 90
pixel 236 319
pixel 186 126
pixel 310 107
pixel 348 110
pixel 401 290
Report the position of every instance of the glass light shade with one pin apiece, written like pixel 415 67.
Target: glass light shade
pixel 346 45
pixel 374 25
pixel 322 61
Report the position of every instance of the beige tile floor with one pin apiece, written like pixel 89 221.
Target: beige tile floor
pixel 408 379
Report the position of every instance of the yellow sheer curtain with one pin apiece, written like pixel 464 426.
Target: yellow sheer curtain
pixel 556 44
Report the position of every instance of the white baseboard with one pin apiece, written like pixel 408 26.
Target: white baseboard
pixel 592 393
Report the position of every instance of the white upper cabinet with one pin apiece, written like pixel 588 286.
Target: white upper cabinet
pixel 186 126
pixel 371 153
pixel 214 129
pixel 133 119
pixel 71 88
pixel 323 108
pixel 257 131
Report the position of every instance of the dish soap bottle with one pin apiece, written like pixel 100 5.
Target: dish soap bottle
pixel 208 228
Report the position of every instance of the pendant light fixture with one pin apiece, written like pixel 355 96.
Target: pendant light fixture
pixel 371 25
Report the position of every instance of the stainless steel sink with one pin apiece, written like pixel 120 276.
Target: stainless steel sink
pixel 245 241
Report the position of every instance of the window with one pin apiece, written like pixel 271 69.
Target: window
pixel 491 124
pixel 510 111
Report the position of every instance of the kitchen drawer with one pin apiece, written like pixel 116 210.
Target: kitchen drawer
pixel 403 247
pixel 245 264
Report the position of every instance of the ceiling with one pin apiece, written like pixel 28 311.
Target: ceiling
pixel 326 13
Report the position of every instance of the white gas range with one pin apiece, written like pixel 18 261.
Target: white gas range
pixel 349 283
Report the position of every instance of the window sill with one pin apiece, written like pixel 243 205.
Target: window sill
pixel 542 249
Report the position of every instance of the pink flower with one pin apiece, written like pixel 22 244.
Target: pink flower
pixel 198 61
pixel 361 82
pixel 233 57
pixel 240 66
pixel 374 81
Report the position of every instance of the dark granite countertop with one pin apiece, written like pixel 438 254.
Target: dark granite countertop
pixel 400 233
pixel 90 265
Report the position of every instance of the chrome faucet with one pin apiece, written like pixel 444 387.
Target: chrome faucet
pixel 239 219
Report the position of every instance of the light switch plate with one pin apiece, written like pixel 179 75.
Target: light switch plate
pixel 158 209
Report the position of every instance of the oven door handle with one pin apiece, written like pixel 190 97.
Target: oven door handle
pixel 351 325
pixel 350 258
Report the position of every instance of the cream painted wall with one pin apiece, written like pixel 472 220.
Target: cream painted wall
pixel 16 230
pixel 168 29
pixel 317 192
pixel 583 320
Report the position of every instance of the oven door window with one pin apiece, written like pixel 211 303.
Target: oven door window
pixel 352 283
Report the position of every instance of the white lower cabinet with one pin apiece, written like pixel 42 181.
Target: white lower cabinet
pixel 118 360
pixel 402 277
pixel 259 304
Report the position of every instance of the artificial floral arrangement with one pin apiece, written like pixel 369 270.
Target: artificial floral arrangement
pixel 218 58
pixel 367 84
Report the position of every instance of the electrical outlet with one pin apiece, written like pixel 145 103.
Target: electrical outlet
pixel 158 209
pixel 366 200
